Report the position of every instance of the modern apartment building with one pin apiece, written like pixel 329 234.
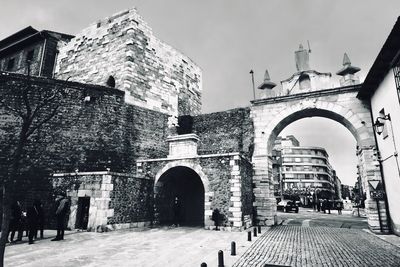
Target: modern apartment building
pixel 303 171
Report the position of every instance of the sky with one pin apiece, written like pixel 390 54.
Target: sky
pixel 228 38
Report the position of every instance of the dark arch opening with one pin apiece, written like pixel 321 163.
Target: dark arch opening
pixel 111 82
pixel 304 82
pixel 179 198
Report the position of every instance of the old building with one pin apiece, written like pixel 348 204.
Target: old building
pixel 33 49
pixel 381 89
pixel 130 146
pixel 121 51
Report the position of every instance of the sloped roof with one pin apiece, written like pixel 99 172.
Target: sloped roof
pixel 26 36
pixel 387 57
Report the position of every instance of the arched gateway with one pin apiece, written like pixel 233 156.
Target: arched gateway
pixel 179 191
pixel 271 115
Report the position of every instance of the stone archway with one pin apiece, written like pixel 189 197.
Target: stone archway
pixel 186 184
pixel 271 116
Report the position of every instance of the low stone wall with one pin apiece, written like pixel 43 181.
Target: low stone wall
pixel 116 200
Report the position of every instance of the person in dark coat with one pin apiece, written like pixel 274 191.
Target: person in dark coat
pixel 32 216
pixel 16 221
pixel 216 216
pixel 177 211
pixel 61 213
pixel 40 221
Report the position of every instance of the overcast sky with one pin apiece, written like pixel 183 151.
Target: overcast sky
pixel 227 38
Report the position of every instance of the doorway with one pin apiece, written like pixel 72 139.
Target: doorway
pixel 82 214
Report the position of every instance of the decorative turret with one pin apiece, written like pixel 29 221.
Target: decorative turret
pixel 267 84
pixel 348 72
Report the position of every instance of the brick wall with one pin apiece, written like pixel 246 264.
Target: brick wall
pixel 152 73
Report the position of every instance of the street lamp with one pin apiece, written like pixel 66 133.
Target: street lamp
pixel 379 123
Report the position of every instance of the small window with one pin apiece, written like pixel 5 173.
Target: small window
pixel 11 63
pixel 29 55
pixel 111 82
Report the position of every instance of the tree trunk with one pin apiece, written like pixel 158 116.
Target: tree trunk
pixel 8 189
pixel 4 224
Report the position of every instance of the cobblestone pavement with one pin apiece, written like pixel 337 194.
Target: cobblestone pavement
pixel 319 246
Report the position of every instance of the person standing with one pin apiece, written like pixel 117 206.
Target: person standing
pixel 40 220
pixel 32 221
pixel 177 211
pixel 216 216
pixel 61 213
pixel 339 207
pixel 16 221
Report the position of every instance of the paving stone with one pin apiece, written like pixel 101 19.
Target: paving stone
pixel 319 246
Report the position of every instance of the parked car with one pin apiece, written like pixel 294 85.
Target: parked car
pixel 288 205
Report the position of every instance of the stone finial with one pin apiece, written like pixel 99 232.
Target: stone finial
pixel 267 84
pixel 347 72
pixel 346 60
pixel 347 67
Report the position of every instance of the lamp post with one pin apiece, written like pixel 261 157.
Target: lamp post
pixel 379 127
pixel 252 81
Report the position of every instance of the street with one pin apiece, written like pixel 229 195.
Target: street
pixel 310 218
pixel 306 238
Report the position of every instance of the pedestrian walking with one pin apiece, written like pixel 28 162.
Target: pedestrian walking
pixel 328 204
pixel 40 220
pixel 339 207
pixel 32 221
pixel 61 214
pixel 216 216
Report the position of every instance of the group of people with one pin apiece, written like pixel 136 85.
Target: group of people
pixel 32 221
pixel 327 205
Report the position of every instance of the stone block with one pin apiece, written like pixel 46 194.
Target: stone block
pixel 108 187
pixel 106 179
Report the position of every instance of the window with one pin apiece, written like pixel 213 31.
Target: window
pixel 29 55
pixel 11 63
pixel 111 82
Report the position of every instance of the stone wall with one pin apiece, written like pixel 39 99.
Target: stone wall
pixel 132 201
pixel 227 181
pixel 247 196
pixel 20 59
pixel 225 132
pixel 153 74
pixel 89 134
pixel 116 200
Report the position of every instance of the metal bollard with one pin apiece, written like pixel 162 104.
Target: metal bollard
pixel 203 264
pixel 259 229
pixel 220 258
pixel 255 231
pixel 233 248
pixel 248 236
